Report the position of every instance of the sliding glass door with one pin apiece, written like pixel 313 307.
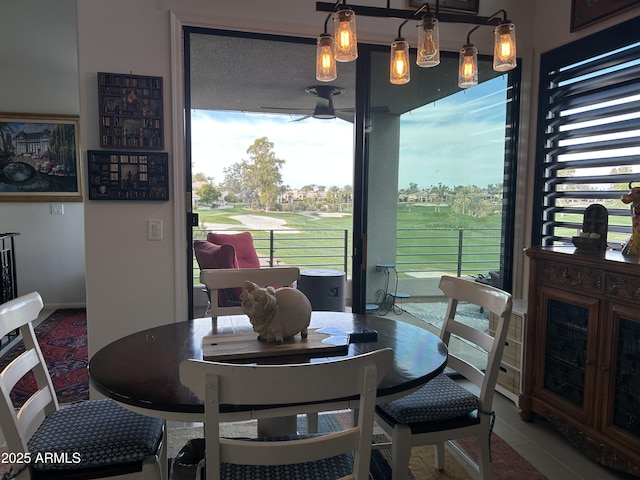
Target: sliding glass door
pixel 439 177
pixel 270 149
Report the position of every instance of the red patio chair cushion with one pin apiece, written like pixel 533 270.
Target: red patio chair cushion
pixel 242 243
pixel 210 255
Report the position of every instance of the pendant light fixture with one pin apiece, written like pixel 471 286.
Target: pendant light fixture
pixel 428 52
pixel 468 64
pixel 428 41
pixel 504 46
pixel 399 66
pixel 325 61
pixel 345 37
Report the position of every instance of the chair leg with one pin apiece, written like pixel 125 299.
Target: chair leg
pixel 151 469
pixel 439 455
pixel 400 452
pixel 164 463
pixel 484 458
pixel 157 467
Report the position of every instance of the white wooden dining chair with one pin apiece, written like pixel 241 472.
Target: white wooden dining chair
pixel 336 455
pixel 443 409
pixel 217 279
pixel 91 439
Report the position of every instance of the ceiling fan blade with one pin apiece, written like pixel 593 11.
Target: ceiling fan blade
pixel 287 109
pixel 301 118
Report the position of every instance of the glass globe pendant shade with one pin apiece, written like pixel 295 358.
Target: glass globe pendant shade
pixel 468 67
pixel 504 47
pixel 325 62
pixel 428 42
pixel 346 41
pixel 399 72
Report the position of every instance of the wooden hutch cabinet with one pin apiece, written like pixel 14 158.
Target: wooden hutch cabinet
pixel 582 351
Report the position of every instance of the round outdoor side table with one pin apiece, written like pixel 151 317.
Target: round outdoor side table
pixel 324 288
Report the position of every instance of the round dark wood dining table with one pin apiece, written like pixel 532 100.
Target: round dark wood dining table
pixel 140 370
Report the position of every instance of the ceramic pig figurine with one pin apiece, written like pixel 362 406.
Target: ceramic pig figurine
pixel 276 314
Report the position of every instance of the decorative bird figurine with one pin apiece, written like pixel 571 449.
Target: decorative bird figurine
pixel 633 198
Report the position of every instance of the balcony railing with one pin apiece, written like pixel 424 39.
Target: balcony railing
pixel 419 251
pixel 461 251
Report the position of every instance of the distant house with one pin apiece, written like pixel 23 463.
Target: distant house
pixel 33 142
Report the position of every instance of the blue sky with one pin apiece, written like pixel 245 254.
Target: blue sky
pixel 457 141
pixel 435 143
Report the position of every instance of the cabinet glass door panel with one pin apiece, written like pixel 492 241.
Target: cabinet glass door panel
pixel 568 354
pixel 622 412
pixel 566 349
pixel 626 411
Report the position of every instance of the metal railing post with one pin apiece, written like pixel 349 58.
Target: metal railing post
pixel 346 246
pixel 460 240
pixel 272 250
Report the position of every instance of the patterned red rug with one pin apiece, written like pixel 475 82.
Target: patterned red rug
pixel 63 341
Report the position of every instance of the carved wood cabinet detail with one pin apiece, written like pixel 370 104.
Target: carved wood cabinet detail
pixel 582 351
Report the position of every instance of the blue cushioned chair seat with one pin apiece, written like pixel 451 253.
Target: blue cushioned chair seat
pixel 334 467
pixel 440 399
pixel 100 433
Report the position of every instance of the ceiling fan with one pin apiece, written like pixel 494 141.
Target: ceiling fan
pixel 324 108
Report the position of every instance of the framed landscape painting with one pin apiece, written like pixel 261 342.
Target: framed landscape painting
pixel 39 158
pixel 587 12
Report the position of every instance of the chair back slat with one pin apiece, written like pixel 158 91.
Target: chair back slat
pixel 19 313
pixel 314 384
pixel 18 368
pixel 216 279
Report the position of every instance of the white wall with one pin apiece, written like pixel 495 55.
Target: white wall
pixel 39 74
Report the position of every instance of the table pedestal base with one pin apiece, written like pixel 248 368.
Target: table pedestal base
pixel 277 426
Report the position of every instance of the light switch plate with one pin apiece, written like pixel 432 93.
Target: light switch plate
pixel 57 209
pixel 154 230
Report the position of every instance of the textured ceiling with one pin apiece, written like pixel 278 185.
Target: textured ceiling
pixel 251 75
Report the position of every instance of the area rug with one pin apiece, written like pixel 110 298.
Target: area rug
pixel 507 463
pixel 63 340
pixel 434 312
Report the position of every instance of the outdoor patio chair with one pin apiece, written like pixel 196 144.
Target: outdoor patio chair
pixel 221 279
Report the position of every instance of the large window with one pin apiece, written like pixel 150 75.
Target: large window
pixel 441 171
pixel 588 142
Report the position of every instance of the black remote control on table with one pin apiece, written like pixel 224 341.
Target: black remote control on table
pixel 363 336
